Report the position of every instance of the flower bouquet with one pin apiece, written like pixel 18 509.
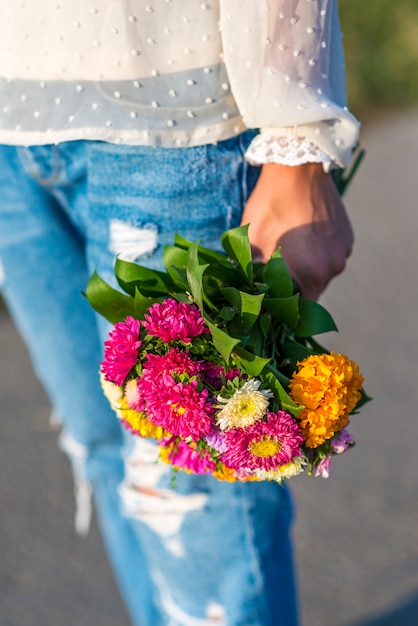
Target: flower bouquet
pixel 215 360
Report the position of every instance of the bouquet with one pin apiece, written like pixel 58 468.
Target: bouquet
pixel 215 360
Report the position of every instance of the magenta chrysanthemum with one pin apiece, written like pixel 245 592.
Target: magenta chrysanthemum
pixel 172 320
pixel 213 373
pixel 175 405
pixel 121 350
pixel 174 362
pixel 185 456
pixel 179 407
pixel 264 445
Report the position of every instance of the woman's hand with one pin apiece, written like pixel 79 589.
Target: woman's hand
pixel 299 209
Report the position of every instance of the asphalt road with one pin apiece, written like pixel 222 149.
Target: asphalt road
pixel 356 533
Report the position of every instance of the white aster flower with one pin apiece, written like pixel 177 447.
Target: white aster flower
pixel 295 467
pixel 248 405
pixel 113 393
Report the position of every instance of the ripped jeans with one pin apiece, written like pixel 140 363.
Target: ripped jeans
pixel 205 552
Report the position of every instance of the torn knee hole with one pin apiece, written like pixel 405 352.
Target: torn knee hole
pixel 130 242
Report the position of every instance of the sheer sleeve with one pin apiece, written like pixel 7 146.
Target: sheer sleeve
pixel 286 67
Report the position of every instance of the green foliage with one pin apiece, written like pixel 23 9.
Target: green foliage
pixel 109 302
pixel 381 50
pixel 259 326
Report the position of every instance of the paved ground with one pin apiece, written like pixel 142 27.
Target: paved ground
pixel 356 534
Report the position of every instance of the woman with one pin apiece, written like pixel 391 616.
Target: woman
pixel 122 123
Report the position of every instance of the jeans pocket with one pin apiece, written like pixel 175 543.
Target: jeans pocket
pixel 197 192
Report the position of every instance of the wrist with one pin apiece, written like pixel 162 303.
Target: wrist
pixel 290 174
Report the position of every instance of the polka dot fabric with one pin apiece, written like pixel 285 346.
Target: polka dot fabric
pixel 173 72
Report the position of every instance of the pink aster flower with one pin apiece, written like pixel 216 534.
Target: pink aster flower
pixel 175 361
pixel 264 445
pixel 121 350
pixel 324 467
pixel 342 442
pixel 212 374
pixel 173 320
pixel 185 456
pixel 179 407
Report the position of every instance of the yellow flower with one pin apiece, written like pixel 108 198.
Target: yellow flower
pixel 329 387
pixel 140 424
pixel 293 468
pixel 223 472
pixel 164 453
pixel 265 447
pixel 112 392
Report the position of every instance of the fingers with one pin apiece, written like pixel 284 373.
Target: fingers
pixel 314 258
pixel 302 212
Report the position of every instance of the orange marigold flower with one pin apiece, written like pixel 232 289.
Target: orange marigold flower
pixel 251 478
pixel 222 472
pixel 329 387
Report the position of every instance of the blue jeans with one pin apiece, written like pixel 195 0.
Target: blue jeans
pixel 206 552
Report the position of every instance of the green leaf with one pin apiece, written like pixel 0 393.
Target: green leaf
pixel 150 282
pixel 194 275
pixel 141 304
pixel 277 277
pixel 221 340
pixel 261 287
pixel 207 254
pixel 247 305
pixel 316 347
pixel 220 267
pixel 277 254
pixel 295 351
pixel 181 297
pixel 364 399
pixel 265 324
pixel 284 309
pixel 280 394
pixel 237 245
pixel 227 313
pixel 179 278
pixel 212 256
pixel 313 320
pixel 256 340
pixel 258 269
pixel 249 362
pixel 181 242
pixel 343 176
pixel 224 275
pixel 112 304
pixel 175 262
pixel 172 255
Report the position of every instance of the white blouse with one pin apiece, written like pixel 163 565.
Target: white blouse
pixel 176 73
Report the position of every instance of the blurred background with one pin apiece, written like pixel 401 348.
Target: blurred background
pixel 356 533
pixel 381 50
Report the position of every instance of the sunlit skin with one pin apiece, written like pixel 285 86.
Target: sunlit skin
pixel 299 208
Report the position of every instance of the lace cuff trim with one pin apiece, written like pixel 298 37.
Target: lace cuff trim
pixel 284 151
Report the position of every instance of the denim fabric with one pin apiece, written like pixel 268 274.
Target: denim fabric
pixel 205 552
